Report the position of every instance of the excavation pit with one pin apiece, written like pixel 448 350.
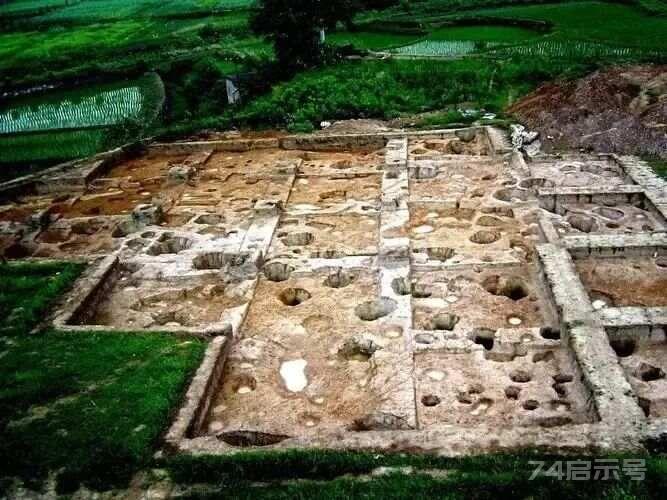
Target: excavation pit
pixel 468 144
pixel 129 299
pixel 471 391
pixel 311 374
pixel 472 179
pixel 579 171
pixel 644 361
pixel 330 191
pixel 492 299
pixel 624 282
pixel 466 235
pixel 613 218
pixel 325 236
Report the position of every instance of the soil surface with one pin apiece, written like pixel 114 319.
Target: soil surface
pixel 620 109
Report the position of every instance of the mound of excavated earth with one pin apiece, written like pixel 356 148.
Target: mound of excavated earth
pixel 621 109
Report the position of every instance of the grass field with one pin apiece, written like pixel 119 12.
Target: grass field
pixel 61 125
pixel 575 24
pixel 91 106
pixel 19 152
pixel 88 405
pixel 27 291
pixel 320 474
pixel 94 10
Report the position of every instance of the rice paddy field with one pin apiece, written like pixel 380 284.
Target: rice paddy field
pixel 94 106
pixel 59 125
pixel 79 46
pixel 565 29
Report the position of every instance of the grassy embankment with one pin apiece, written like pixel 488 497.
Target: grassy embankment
pixel 86 406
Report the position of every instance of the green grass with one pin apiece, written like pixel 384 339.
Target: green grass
pixel 659 166
pixel 88 406
pixel 658 7
pixel 96 10
pixel 27 290
pixel 90 106
pixel 388 89
pixel 92 404
pixel 616 24
pixel 620 25
pixel 21 150
pixel 36 55
pixel 370 40
pixel 62 125
pixel 484 33
pixel 329 474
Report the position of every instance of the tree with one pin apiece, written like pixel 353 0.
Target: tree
pixel 293 26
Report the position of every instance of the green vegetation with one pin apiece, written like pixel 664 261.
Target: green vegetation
pixel 21 154
pixel 387 89
pixel 90 406
pixel 658 7
pixel 61 125
pixel 322 474
pixel 91 106
pixel 574 24
pixel 294 29
pixel 659 166
pixel 371 40
pixel 27 291
pixel 615 24
pixel 193 45
pixel 484 33
pixel 94 10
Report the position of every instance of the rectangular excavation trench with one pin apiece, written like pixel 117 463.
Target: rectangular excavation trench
pixel 468 142
pixel 135 296
pixel 451 234
pixel 310 359
pixel 539 386
pixel 622 212
pixel 642 353
pixel 325 236
pixel 488 351
pixel 627 281
pixel 576 171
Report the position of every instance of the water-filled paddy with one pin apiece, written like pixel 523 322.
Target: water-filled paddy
pixel 85 107
pixel 64 124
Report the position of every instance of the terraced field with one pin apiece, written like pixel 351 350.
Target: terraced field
pixel 194 44
pixel 60 125
pixel 567 30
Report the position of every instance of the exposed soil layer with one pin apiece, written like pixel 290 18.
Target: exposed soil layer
pixel 617 282
pixel 467 389
pixel 570 170
pixel 471 178
pixel 646 370
pixel 487 235
pixel 610 218
pixel 621 109
pixel 327 191
pixel 135 302
pixel 490 299
pixel 325 236
pixel 306 361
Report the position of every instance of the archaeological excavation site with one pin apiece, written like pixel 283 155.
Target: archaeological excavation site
pixel 432 291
